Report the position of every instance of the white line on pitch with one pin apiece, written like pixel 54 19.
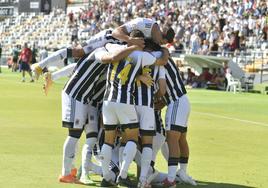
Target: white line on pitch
pixel 231 118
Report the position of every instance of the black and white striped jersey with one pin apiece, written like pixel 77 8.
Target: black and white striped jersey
pixel 175 86
pixel 83 81
pixel 99 90
pixel 144 96
pixel 159 122
pixel 99 40
pixel 121 77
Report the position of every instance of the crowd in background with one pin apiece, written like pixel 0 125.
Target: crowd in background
pixel 203 27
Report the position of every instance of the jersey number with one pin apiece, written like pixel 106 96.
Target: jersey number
pixel 122 75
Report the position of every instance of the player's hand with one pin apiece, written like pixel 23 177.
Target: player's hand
pixel 159 104
pixel 146 79
pixel 136 41
pixel 37 70
pixel 48 82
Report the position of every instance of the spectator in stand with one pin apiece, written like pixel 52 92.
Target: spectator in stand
pixel 218 78
pixel 25 59
pixel 179 48
pixel 205 48
pixel 195 43
pixel 71 17
pixel 74 33
pixel 190 77
pixel 15 57
pixel 204 78
pixel 209 20
pixel 214 48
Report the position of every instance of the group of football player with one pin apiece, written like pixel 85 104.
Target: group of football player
pixel 115 94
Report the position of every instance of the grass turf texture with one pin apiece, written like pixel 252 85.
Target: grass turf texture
pixel 227 137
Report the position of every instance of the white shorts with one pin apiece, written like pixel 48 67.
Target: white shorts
pixel 91 128
pixel 177 115
pixel 74 113
pixel 147 120
pixel 115 114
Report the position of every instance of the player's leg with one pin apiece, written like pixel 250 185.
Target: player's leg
pixel 147 131
pixel 184 155
pixel 123 142
pixel 110 122
pixel 128 119
pixel 183 114
pixel 91 130
pixel 30 74
pixel 23 69
pixel 173 135
pixel 73 118
pixel 69 152
pixel 164 150
pixel 160 138
pixel 23 76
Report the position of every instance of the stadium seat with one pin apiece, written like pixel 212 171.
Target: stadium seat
pixel 232 83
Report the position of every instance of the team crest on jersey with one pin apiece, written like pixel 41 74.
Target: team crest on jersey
pixel 91 118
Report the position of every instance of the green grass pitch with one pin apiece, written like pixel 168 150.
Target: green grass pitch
pixel 228 137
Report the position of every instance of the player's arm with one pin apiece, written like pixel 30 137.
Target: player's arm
pixel 64 72
pixel 162 88
pixel 50 78
pixel 159 103
pixel 164 59
pixel 162 85
pixel 161 82
pixel 78 52
pixel 109 57
pixel 122 33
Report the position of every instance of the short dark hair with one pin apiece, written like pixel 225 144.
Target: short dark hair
pixel 136 33
pixel 150 44
pixel 168 34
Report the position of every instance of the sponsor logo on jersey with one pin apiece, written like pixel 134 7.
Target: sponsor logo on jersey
pixel 148 25
pixel 77 121
pixel 91 118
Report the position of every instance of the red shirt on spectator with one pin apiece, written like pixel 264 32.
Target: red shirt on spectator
pixel 26 55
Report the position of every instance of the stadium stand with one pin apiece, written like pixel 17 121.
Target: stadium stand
pixel 220 28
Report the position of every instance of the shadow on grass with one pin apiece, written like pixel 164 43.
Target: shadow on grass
pixel 204 184
pixel 201 184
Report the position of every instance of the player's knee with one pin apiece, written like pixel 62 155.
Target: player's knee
pixel 183 139
pixel 132 134
pixel 109 137
pixel 76 133
pixel 146 140
pixel 175 134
